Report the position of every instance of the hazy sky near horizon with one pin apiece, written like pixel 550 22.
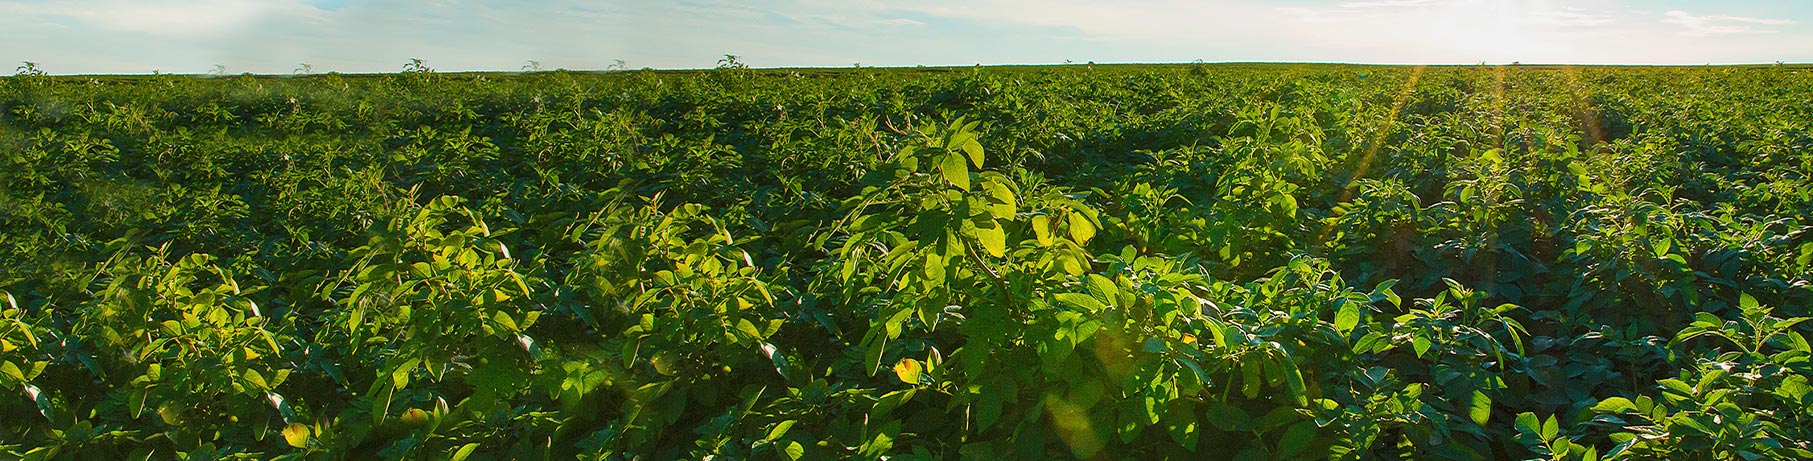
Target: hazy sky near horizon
pixel 278 36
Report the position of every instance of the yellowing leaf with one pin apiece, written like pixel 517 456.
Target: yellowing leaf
pixel 909 371
pixel 296 434
pixel 1041 228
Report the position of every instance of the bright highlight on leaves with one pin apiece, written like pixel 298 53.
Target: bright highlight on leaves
pixel 955 171
pixel 1081 230
pixel 296 435
pixel 1480 409
pixel 909 371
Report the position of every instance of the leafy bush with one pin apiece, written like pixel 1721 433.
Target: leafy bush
pixel 1104 262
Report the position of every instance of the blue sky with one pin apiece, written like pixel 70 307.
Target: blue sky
pixel 277 36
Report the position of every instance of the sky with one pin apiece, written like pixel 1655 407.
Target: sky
pixel 281 36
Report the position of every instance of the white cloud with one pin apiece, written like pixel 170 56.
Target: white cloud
pixel 1706 26
pixel 1387 4
pixel 1577 17
pixel 862 22
pixel 379 35
pixel 169 18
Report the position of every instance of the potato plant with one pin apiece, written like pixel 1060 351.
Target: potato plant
pixel 1252 262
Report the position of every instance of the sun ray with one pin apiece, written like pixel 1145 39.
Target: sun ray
pixel 1498 107
pixel 1372 147
pixel 1378 137
pixel 1585 113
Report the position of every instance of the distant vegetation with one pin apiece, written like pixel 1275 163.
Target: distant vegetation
pixel 1106 262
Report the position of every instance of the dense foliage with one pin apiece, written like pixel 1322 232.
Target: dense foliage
pixel 1102 262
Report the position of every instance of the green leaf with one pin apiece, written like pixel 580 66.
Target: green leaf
pixel 464 452
pixel 974 149
pixel 1081 300
pixel 1421 344
pixel 1250 377
pixel 988 409
pixel 1620 447
pixel 1101 288
pixel 503 320
pixel 1072 263
pixel 1285 202
pixel 1550 428
pixel 748 330
pixel 519 281
pixel 1293 380
pixel 12 371
pixel 881 442
pixel 1081 230
pixel 955 170
pixel 1180 423
pixel 1491 157
pixel 994 239
pixel 400 376
pixel 1481 409
pixel 793 450
pixel 1615 405
pixel 888 402
pixel 256 379
pixel 1296 438
pixel 780 430
pixel 1347 317
pixel 1528 423
pixel 1676 386
pixel 1001 199
pixel 1373 342
pixel 1127 426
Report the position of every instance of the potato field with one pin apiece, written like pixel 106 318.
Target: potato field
pixel 1103 262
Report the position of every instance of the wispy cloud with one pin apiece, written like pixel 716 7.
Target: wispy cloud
pixel 169 18
pixel 1387 4
pixel 1577 17
pixel 379 35
pixel 1712 25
